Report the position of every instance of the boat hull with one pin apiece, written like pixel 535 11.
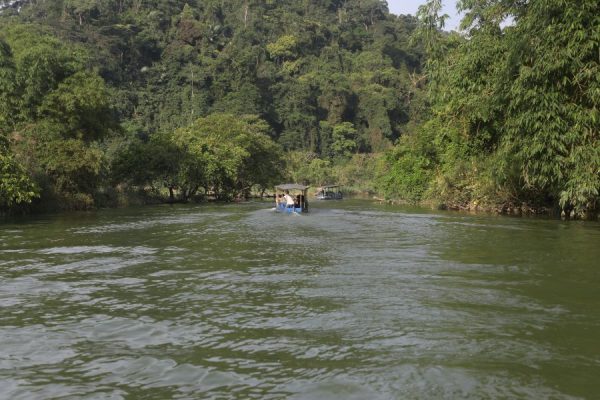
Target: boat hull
pixel 288 210
pixel 331 196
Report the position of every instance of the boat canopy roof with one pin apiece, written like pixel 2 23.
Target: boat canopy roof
pixel 329 186
pixel 291 186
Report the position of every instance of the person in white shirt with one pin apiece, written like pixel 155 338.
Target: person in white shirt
pixel 289 200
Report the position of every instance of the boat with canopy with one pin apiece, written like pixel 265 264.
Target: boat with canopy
pixel 291 197
pixel 329 192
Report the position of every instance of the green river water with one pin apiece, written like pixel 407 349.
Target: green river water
pixel 353 300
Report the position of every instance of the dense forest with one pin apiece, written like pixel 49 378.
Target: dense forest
pixel 112 101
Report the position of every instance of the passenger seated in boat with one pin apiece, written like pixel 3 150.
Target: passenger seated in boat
pixel 279 199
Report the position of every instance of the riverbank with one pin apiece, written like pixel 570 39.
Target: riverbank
pixel 120 197
pixel 508 209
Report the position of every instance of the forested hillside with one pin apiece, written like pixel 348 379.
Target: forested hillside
pixel 89 83
pixel 515 114
pixel 181 99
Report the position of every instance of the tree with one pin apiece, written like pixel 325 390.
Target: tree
pixel 74 70
pixel 296 108
pixel 516 106
pixel 61 111
pixel 16 187
pixel 156 163
pixel 228 154
pixel 343 140
pixel 81 8
pixel 73 166
pixel 283 48
pixel 553 115
pixel 8 89
pixel 81 103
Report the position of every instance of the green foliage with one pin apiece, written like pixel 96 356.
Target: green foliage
pixel 41 62
pixel 72 165
pixel 407 178
pixel 8 88
pixel 553 116
pixel 283 48
pixel 308 168
pixel 81 9
pixel 293 64
pixel 343 140
pixel 356 174
pixel 296 112
pixel 227 155
pixel 154 164
pixel 499 115
pixel 515 109
pixel 16 187
pixel 81 103
pixel 406 171
pixel 55 114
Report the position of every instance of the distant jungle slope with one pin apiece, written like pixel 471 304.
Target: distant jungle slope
pixel 303 66
pixel 87 84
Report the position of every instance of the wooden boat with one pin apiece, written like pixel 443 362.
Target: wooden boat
pixel 329 192
pixel 291 197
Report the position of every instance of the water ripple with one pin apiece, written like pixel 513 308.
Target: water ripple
pixel 352 301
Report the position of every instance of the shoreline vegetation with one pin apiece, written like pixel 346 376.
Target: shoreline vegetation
pixel 104 104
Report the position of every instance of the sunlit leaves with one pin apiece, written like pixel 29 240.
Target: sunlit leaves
pixel 552 121
pixel 283 47
pixel 82 103
pixel 16 187
pixel 521 102
pixel 228 154
pixel 343 140
pixel 56 113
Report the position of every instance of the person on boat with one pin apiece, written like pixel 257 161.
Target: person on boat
pixel 289 200
pixel 278 199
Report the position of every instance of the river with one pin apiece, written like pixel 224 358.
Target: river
pixel 354 300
